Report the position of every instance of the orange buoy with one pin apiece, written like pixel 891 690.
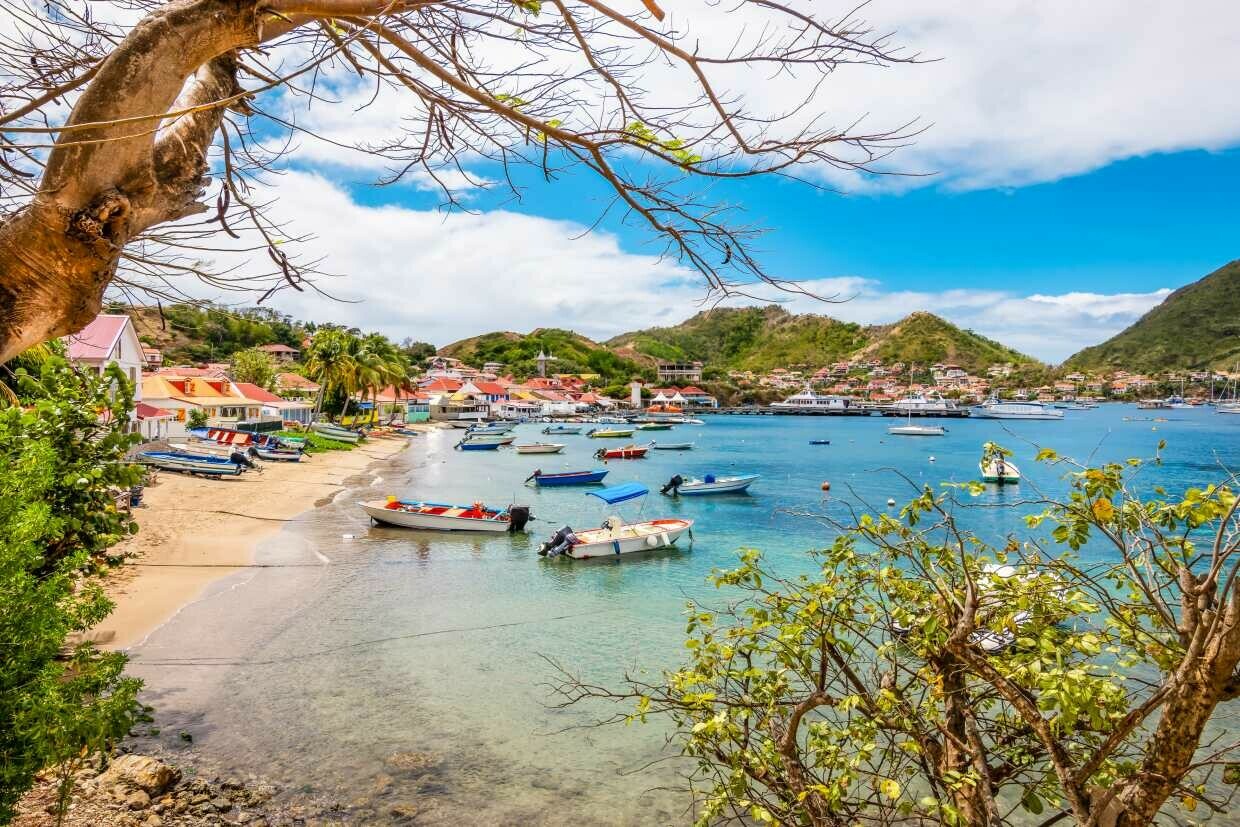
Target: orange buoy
pixel 826 486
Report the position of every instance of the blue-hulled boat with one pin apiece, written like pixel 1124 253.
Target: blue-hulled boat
pixel 562 429
pixel 474 445
pixel 567 478
pixel 190 463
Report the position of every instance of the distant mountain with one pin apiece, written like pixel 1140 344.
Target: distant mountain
pixel 573 353
pixel 1197 326
pixel 761 338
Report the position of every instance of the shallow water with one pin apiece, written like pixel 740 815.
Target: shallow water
pixel 346 652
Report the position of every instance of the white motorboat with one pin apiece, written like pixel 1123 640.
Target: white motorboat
pixel 999 470
pixel 996 409
pixel 475 438
pixel 540 448
pixel 917 430
pixel 190 463
pixel 561 429
pixel 1228 408
pixel 932 404
pixel 330 431
pixel 808 402
pixel 710 484
pixel 443 517
pixel 492 428
pixel 672 446
pixel 616 538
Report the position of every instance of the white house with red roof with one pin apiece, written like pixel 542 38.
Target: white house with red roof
pixel 288 410
pixel 281 353
pixel 110 339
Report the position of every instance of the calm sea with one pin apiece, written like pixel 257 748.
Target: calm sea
pixel 362 643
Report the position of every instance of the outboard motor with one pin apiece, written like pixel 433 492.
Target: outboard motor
pixel 559 543
pixel 241 459
pixel 518 516
pixel 673 486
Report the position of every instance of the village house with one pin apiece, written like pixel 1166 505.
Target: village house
pixel 110 339
pixel 295 386
pixel 224 404
pixel 281 353
pixel 688 371
pixel 152 358
pixel 275 407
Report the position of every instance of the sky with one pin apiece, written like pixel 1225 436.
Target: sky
pixel 1078 163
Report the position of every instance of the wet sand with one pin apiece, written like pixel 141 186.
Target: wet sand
pixel 195 531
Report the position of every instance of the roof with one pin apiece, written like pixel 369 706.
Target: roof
pixel 490 388
pixel 259 394
pixel 97 339
pixel 184 372
pixel 146 411
pixel 442 384
pixel 296 380
pixel 693 390
pixel 277 348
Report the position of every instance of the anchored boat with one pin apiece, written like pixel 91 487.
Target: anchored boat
pixel 540 448
pixel 709 484
pixel 616 537
pixel 561 429
pixel 917 430
pixel 627 452
pixel 566 478
pixel 999 470
pixel 609 433
pixel 442 517
pixel 672 446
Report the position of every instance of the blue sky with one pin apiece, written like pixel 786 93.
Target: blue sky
pixel 1079 173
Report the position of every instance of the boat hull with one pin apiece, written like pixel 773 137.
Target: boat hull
pixel 674 446
pixel 488 439
pixel 628 452
pixel 546 448
pixel 380 513
pixel 477 446
pixel 726 485
pixel 189 464
pixel 648 536
pixel 916 430
pixel 333 432
pixel 575 478
pixel 1010 475
pixel 277 455
pixel 610 434
pixel 554 430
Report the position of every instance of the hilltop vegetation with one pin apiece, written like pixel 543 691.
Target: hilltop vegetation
pixel 1197 326
pixel 761 338
pixel 187 333
pixel 573 353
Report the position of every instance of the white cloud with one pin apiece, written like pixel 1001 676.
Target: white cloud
pixel 445 276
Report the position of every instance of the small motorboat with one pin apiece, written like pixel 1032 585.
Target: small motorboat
pixel 561 429
pixel 492 428
pixel 820 442
pixel 336 432
pixel 566 478
pixel 999 470
pixel 616 538
pixel 474 438
pixel 709 484
pixel 672 446
pixel 276 454
pixel 473 445
pixel 609 433
pixel 540 448
pixel 917 430
pixel 191 463
pixel 655 426
pixel 627 452
pixel 441 517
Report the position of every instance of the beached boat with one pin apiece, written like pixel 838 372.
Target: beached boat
pixel 203 447
pixel 995 409
pixel 551 430
pixel 625 452
pixel 655 426
pixel 565 478
pixel 917 430
pixel 540 448
pixel 999 470
pixel 609 433
pixel 616 537
pixel 225 436
pixel 709 484
pixel 442 517
pixel 672 446
pixel 277 454
pixel 190 463
pixel 330 431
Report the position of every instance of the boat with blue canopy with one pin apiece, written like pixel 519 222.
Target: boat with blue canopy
pixel 616 537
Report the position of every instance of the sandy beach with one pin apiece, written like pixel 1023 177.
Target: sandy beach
pixel 195 531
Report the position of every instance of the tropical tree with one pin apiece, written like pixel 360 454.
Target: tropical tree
pixel 254 366
pixel 926 674
pixel 329 362
pixel 159 93
pixel 61 460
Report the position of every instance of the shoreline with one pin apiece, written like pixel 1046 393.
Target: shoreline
pixel 194 532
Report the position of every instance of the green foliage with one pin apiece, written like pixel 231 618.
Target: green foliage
pixel 254 366
pixel 196 418
pixel 644 136
pixel 316 443
pixel 59 463
pixel 924 339
pixel 205 333
pixel 1197 326
pixel 926 674
pixel 573 354
pixel 344 363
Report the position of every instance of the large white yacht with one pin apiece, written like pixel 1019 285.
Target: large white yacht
pixel 931 404
pixel 994 408
pixel 809 402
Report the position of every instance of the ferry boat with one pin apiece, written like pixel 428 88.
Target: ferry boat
pixel 996 409
pixel 931 404
pixel 808 402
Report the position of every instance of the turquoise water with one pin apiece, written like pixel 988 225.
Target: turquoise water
pixel 351 649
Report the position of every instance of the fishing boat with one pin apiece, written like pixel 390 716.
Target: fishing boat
pixel 225 436
pixel 540 448
pixel 672 446
pixel 552 430
pixel 476 445
pixel 276 454
pixel 917 430
pixel 492 428
pixel 616 537
pixel 204 447
pixel 565 478
pixel 709 484
pixel 993 408
pixel 190 463
pixel 336 432
pixel 626 452
pixel 609 433
pixel 820 442
pixel 442 517
pixel 999 470
pixel 488 439
pixel 655 426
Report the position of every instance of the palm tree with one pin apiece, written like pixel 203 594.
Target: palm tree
pixel 329 361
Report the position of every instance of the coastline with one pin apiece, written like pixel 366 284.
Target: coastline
pixel 194 532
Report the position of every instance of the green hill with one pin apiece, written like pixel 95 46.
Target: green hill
pixel 573 353
pixel 924 339
pixel 1197 326
pixel 761 338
